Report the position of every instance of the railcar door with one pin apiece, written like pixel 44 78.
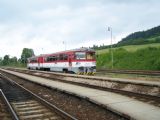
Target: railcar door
pixel 70 57
pixel 40 62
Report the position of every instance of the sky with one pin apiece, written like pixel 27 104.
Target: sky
pixel 49 26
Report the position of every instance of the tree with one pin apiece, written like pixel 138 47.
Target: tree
pixel 6 60
pixel 26 53
pixel 13 60
pixel 1 61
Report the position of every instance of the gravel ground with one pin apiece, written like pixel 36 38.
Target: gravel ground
pixel 4 113
pixel 80 108
pixel 129 76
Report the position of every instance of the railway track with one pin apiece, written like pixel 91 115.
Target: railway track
pixel 25 105
pixel 149 98
pixel 141 88
pixel 82 109
pixel 143 91
pixel 137 72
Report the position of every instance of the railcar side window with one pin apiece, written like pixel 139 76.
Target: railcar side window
pixel 51 58
pixel 65 57
pixel 54 58
pixel 80 55
pixel 61 57
pixel 33 60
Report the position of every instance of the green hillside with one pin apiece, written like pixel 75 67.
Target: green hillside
pixel 142 37
pixel 138 51
pixel 137 57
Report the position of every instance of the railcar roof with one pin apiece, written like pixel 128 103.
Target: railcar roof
pixel 73 50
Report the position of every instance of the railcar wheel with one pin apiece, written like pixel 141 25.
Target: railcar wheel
pixel 65 70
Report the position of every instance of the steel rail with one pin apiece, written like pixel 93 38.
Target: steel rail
pixel 13 114
pixel 44 102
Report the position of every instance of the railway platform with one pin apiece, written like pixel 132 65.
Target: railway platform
pixel 120 104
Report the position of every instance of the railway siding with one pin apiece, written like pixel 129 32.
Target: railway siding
pixel 129 87
pixel 151 88
pixel 139 72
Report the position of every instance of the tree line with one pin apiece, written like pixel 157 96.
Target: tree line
pixel 14 61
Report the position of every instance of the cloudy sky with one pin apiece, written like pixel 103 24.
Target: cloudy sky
pixel 45 25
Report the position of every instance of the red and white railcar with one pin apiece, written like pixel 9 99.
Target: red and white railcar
pixel 80 61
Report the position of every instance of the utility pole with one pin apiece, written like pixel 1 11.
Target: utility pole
pixel 64 42
pixel 42 50
pixel 110 29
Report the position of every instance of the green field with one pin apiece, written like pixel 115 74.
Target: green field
pixel 137 57
pixel 130 48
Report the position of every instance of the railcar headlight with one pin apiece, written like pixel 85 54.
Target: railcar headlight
pixel 81 68
pixel 78 63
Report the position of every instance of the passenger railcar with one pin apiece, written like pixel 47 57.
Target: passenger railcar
pixel 79 61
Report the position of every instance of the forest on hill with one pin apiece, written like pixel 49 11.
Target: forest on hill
pixel 137 38
pixel 142 37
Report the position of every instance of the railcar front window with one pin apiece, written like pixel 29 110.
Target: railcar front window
pixel 80 55
pixel 90 56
